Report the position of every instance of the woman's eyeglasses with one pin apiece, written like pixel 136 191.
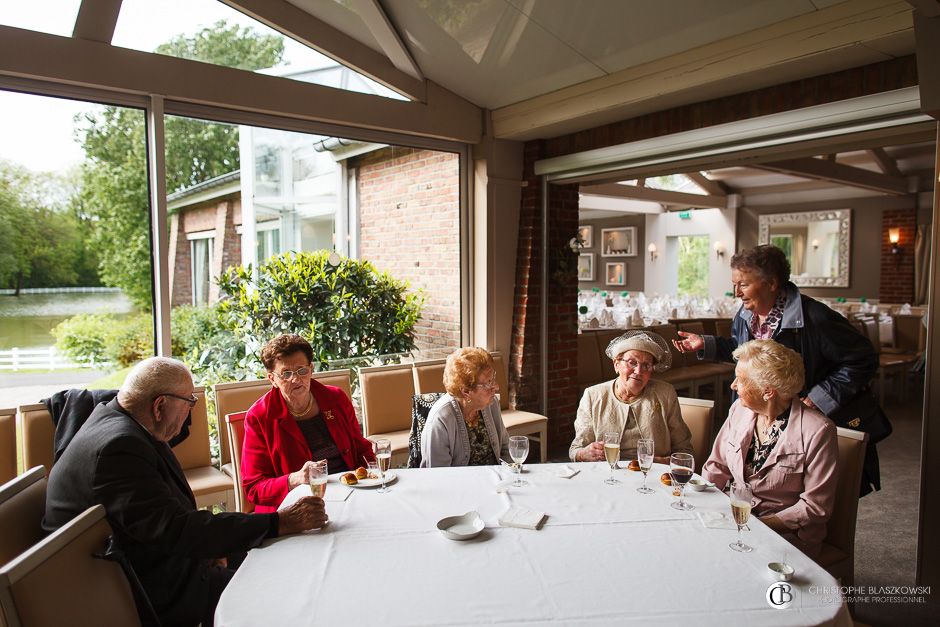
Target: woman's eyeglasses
pixel 289 374
pixel 489 385
pixel 633 364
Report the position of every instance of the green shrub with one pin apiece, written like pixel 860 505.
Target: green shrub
pixel 191 327
pixel 84 338
pixel 350 310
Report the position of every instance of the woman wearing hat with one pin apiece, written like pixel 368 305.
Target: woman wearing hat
pixel 633 404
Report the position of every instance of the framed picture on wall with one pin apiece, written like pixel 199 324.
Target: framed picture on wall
pixel 586 235
pixel 618 242
pixel 586 267
pixel 617 273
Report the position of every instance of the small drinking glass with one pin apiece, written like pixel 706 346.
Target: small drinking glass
pixel 680 468
pixel 741 497
pixel 518 451
pixel 317 476
pixel 383 455
pixel 644 455
pixel 612 454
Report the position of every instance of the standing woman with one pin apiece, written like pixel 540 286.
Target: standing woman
pixel 838 360
pixel 465 426
pixel 299 420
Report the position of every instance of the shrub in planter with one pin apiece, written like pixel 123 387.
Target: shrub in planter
pixel 347 310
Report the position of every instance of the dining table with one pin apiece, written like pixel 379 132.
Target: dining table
pixel 603 554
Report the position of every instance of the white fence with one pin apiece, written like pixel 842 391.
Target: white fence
pixel 35 359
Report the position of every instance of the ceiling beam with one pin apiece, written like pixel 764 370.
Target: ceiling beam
pixel 662 196
pixel 707 185
pixel 96 20
pixel 888 165
pixel 88 64
pixel 708 71
pixel 838 173
pixel 927 8
pixel 297 24
pixel 801 186
pixel 376 19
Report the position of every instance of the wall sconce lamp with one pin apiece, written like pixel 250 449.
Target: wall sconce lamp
pixel 719 250
pixel 815 244
pixel 894 236
pixel 653 253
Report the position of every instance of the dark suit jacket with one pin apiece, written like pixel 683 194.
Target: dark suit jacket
pixel 114 461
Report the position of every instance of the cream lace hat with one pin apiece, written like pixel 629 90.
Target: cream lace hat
pixel 645 341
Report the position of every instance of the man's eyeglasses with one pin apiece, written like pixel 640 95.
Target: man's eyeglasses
pixel 633 364
pixel 192 400
pixel 289 374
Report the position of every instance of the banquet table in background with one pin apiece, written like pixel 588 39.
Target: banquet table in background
pixel 606 554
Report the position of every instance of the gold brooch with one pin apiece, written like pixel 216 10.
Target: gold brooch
pixel 328 414
pixel 855 422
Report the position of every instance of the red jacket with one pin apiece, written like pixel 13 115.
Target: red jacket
pixel 274 446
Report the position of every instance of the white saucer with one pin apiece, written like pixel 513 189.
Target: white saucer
pixel 461 527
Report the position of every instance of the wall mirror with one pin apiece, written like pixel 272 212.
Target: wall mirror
pixel 816 243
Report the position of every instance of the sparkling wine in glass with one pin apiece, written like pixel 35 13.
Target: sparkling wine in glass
pixel 518 451
pixel 741 497
pixel 612 454
pixel 644 455
pixel 680 468
pixel 317 477
pixel 383 455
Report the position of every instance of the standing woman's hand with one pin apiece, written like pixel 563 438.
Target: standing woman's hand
pixel 689 342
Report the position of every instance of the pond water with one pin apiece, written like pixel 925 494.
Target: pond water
pixel 26 321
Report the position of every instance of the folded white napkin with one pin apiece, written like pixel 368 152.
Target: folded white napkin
pixel 521 517
pixel 716 520
pixel 567 472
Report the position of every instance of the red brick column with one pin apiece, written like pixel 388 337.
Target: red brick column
pixel 897 270
pixel 525 358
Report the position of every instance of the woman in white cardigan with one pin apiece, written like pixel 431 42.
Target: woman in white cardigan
pixel 465 427
pixel 634 404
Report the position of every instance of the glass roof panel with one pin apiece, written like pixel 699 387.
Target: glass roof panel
pixel 56 17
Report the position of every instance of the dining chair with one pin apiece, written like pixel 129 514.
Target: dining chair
pixel 517 421
pixel 229 399
pixel 22 506
pixel 386 406
pixel 340 378
pixel 7 444
pixel 699 416
pixel 235 434
pixel 210 486
pixel 37 433
pixel 60 581
pixel 429 376
pixel 420 410
pixel 838 550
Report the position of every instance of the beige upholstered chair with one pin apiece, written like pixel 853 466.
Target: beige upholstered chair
pixel 699 417
pixel 210 486
pixel 58 581
pixel 386 406
pixel 235 434
pixel 838 550
pixel 337 378
pixel 429 376
pixel 520 422
pixel 7 444
pixel 231 398
pixel 22 506
pixel 37 433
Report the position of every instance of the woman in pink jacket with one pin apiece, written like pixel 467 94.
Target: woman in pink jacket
pixel 786 451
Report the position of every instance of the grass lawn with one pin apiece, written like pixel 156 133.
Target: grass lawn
pixel 112 381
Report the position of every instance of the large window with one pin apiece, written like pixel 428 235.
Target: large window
pixel 693 265
pixel 201 245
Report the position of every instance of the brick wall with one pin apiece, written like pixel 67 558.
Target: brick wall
pixel 563 220
pixel 409 226
pixel 222 217
pixel 897 271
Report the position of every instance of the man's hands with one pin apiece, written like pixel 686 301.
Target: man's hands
pixel 307 513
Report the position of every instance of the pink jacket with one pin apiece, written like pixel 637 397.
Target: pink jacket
pixel 798 480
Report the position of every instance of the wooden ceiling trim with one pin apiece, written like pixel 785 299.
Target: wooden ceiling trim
pixel 662 196
pixel 887 165
pixel 838 173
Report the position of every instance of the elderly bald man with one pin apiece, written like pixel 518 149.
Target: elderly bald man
pixel 120 459
pixel 634 404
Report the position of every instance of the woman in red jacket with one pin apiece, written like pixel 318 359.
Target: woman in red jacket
pixel 297 421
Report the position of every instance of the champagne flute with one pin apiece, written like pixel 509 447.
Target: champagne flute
pixel 612 454
pixel 741 496
pixel 383 455
pixel 518 451
pixel 317 476
pixel 680 468
pixel 644 455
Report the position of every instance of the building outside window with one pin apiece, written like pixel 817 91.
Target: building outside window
pixel 201 247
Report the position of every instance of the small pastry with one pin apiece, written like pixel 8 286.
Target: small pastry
pixel 349 479
pixel 361 473
pixel 633 465
pixel 666 479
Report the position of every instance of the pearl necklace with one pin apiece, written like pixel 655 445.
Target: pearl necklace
pixel 305 411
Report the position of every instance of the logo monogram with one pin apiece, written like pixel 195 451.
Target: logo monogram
pixel 780 595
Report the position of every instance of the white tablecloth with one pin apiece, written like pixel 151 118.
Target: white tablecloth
pixel 605 555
